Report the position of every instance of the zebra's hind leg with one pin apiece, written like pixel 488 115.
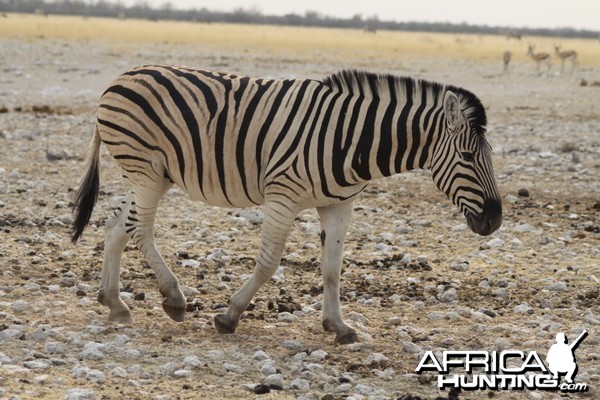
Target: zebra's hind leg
pixel 115 239
pixel 146 202
pixel 276 226
pixel 334 224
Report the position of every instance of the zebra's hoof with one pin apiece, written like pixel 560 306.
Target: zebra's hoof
pixel 176 313
pixel 223 324
pixel 120 316
pixel 347 338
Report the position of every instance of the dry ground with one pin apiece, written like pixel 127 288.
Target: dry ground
pixel 544 260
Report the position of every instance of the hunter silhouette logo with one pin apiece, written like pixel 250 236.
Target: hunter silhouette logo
pixel 507 369
pixel 561 356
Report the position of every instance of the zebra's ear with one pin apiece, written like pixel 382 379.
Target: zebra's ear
pixel 451 109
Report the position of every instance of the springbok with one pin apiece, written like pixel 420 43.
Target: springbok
pixel 570 55
pixel 506 59
pixel 539 57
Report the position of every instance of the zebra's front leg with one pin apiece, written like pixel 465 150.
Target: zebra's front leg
pixel 276 226
pixel 115 240
pixel 334 224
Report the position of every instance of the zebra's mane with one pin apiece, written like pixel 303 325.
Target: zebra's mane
pixel 354 81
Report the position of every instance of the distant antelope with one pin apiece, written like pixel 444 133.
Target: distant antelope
pixel 566 55
pixel 513 35
pixel 539 57
pixel 370 29
pixel 506 58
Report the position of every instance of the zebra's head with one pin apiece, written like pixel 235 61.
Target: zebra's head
pixel 462 162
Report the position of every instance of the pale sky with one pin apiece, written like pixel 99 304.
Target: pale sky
pixel 578 14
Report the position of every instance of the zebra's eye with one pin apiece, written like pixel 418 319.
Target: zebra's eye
pixel 467 156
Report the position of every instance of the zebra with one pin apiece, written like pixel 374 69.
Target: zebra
pixel 288 144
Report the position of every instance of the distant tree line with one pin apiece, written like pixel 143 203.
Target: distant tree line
pixel 103 8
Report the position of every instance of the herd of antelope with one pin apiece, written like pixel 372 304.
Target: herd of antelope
pixel 544 58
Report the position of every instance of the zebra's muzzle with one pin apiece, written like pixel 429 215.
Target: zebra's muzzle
pixel 489 220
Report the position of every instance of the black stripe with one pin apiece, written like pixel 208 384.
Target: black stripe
pixel 340 150
pixel 416 129
pixel 384 152
pixel 323 174
pixel 299 133
pixel 306 153
pixel 402 129
pixel 207 93
pixel 291 115
pixel 220 133
pixel 130 134
pixel 249 114
pixel 434 128
pixel 138 99
pixel 282 90
pixel 362 153
pixel 186 113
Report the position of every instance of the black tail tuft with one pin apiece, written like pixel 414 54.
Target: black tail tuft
pixel 87 194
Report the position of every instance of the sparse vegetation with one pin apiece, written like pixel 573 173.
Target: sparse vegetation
pixel 304 43
pixel 253 15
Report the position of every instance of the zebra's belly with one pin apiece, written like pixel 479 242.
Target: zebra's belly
pixel 210 190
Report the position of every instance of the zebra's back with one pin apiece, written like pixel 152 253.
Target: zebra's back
pixel 224 139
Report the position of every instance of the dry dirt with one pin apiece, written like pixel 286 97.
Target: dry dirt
pixel 407 251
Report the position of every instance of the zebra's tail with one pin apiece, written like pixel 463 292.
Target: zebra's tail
pixel 87 194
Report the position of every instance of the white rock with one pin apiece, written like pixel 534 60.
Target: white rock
pixel 167 369
pixel 286 317
pixel 293 344
pixel 318 355
pixel 4 359
pixel 190 263
pixel 376 358
pixel 260 355
pixel 119 372
pixel 358 317
pixel 233 368
pixel 459 228
pixel 93 351
pixel 502 344
pixel 255 217
pixel 420 222
pixel 494 243
pixel 37 364
pixel 299 383
pixel 95 375
pixel 521 308
pixel 344 388
pixel 411 348
pixel 268 368
pixel 192 362
pixel 19 306
pixel 459 266
pixel 182 373
pixel 449 296
pixel 189 291
pixel 41 379
pixel 133 353
pixel 54 348
pixel 274 380
pixel 557 286
pixel 80 394
pixel 365 390
pixel 9 334
pixel 79 371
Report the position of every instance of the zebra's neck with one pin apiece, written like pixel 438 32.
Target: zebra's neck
pixel 394 123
